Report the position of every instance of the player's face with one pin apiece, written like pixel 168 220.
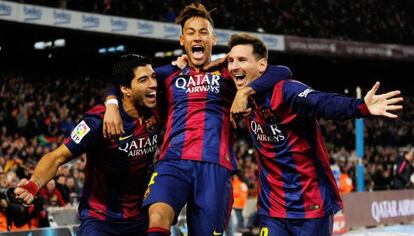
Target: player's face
pixel 244 67
pixel 198 39
pixel 144 87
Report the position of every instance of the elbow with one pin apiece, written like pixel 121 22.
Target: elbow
pixel 55 158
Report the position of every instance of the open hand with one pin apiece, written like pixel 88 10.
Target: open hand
pixel 382 104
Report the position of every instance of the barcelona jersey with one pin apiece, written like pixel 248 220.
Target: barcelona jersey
pixel 295 179
pixel 117 172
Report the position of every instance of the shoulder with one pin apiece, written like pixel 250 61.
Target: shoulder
pixel 94 117
pixel 220 70
pixel 224 72
pixel 280 70
pixel 98 109
pixel 167 70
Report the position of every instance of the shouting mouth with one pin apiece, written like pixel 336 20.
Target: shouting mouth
pixel 198 52
pixel 151 95
pixel 240 79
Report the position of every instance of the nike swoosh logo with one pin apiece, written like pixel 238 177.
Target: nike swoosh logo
pixel 126 137
pixel 215 233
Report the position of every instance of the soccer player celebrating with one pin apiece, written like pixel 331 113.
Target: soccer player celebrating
pixel 197 158
pixel 118 172
pixel 297 190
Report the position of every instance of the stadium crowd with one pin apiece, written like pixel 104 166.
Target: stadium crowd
pixel 367 20
pixel 38 112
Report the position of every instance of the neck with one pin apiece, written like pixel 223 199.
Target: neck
pixel 198 68
pixel 130 108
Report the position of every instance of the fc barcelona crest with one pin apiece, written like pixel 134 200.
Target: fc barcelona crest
pixel 151 124
pixel 268 115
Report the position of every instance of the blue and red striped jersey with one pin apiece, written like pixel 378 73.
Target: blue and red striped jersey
pixel 198 112
pixel 295 179
pixel 117 172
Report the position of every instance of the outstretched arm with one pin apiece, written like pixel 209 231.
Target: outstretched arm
pixel 45 170
pixel 311 103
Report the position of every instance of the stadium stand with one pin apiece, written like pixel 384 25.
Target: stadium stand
pixel 368 20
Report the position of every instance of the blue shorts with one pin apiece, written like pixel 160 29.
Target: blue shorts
pixel 95 227
pixel 305 227
pixel 205 187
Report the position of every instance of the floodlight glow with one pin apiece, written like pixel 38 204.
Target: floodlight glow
pixel 60 43
pixel 39 45
pixel 48 44
pixel 217 56
pixel 120 48
pixel 159 54
pixel 178 52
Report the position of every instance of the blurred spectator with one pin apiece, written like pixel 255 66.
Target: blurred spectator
pixel 62 188
pixel 240 194
pixel 345 182
pixel 404 168
pixel 335 170
pixel 51 194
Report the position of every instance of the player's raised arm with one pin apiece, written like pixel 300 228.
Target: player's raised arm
pixel 262 84
pixel 45 170
pixel 311 103
pixel 112 123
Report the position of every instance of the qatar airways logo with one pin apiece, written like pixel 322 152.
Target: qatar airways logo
pixel 140 147
pixel 199 83
pixel 275 134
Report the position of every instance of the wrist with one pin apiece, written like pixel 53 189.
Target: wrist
pixel 32 187
pixel 363 110
pixel 247 91
pixel 112 101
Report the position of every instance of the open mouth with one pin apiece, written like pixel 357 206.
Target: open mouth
pixel 198 51
pixel 151 95
pixel 240 79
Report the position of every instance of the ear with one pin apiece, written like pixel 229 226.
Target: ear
pixel 125 90
pixel 262 65
pixel 214 38
pixel 182 40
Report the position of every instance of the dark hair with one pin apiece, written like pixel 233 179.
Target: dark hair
pixel 195 9
pixel 124 69
pixel 259 48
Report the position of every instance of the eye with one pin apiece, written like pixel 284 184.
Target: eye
pixel 142 80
